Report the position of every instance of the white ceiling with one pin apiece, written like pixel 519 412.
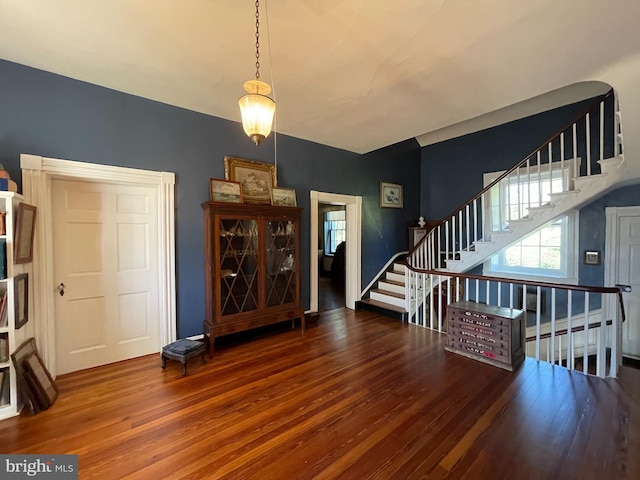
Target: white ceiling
pixel 353 74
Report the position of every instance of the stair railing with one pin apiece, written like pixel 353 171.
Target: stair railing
pixel 551 169
pixel 567 325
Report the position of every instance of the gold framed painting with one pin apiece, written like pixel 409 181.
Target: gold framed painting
pixel 256 178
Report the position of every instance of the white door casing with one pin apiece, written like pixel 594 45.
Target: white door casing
pixel 353 275
pixel 37 176
pixel 106 263
pixel 622 266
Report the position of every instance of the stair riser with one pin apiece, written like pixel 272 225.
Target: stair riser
pixel 390 287
pixel 395 276
pixel 398 302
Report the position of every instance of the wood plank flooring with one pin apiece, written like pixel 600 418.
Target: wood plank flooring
pixel 357 396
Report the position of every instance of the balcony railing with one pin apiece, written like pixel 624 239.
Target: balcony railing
pixel 574 326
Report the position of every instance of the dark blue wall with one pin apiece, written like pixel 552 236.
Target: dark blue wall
pixel 54 116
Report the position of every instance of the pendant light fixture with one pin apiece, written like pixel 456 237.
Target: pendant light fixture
pixel 256 107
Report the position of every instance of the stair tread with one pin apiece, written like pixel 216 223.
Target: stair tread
pixel 380 304
pixel 387 292
pixel 392 282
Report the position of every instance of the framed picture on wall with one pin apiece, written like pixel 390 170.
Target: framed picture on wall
pixel 25 226
pixel 390 195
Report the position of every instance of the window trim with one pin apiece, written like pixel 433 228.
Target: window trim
pixel 571 247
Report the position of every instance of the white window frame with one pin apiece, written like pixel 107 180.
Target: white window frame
pixel 327 242
pixel 570 245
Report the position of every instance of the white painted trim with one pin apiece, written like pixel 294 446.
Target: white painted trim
pixel 611 254
pixel 353 252
pixel 37 175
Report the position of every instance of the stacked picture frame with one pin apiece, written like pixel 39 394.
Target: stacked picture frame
pixel 248 181
pixel 35 384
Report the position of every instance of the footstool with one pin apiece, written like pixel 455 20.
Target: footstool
pixel 182 350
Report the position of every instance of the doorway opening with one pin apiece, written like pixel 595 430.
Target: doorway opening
pixel 332 236
pixel 352 206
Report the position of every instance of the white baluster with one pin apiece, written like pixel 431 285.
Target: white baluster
pixel 601 130
pixel 553 325
pixel 576 172
pixel 585 354
pixel 524 299
pixel 588 142
pixel 565 187
pixel 570 347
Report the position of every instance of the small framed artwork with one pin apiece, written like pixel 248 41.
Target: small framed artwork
pixel 225 191
pixel 44 385
pixel 283 197
pixel 390 195
pixel 21 299
pixel 25 226
pixel 28 395
pixel 592 257
pixel 257 178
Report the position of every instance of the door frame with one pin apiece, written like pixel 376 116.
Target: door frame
pixel 37 175
pixel 353 275
pixel 611 254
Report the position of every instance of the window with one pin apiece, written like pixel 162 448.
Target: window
pixel 334 230
pixel 548 253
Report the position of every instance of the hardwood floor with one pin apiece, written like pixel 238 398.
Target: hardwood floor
pixel 357 396
pixel 330 295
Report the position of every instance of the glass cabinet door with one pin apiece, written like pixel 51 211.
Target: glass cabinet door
pixel 280 244
pixel 238 265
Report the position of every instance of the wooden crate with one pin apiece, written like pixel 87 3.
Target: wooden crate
pixel 490 334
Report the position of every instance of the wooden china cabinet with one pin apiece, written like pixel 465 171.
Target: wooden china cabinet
pixel 252 267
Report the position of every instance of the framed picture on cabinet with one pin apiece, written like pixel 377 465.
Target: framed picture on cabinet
pixel 25 226
pixel 390 195
pixel 283 197
pixel 256 178
pixel 225 191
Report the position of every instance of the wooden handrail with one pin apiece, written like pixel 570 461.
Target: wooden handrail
pixel 564 286
pixel 588 109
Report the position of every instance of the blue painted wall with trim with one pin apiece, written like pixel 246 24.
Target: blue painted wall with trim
pixel 53 116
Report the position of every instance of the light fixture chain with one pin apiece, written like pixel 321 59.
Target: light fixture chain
pixel 257 39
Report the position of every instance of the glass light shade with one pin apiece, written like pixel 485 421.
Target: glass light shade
pixel 257 110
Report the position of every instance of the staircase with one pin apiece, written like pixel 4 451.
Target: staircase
pixel 470 236
pixel 388 297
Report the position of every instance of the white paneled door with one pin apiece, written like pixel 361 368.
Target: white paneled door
pixel 629 274
pixel 106 258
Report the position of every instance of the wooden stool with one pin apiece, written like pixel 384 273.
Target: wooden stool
pixel 182 350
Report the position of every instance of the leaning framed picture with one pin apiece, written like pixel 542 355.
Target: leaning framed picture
pixel 256 178
pixel 283 197
pixel 40 376
pixel 225 191
pixel 390 195
pixel 25 226
pixel 21 299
